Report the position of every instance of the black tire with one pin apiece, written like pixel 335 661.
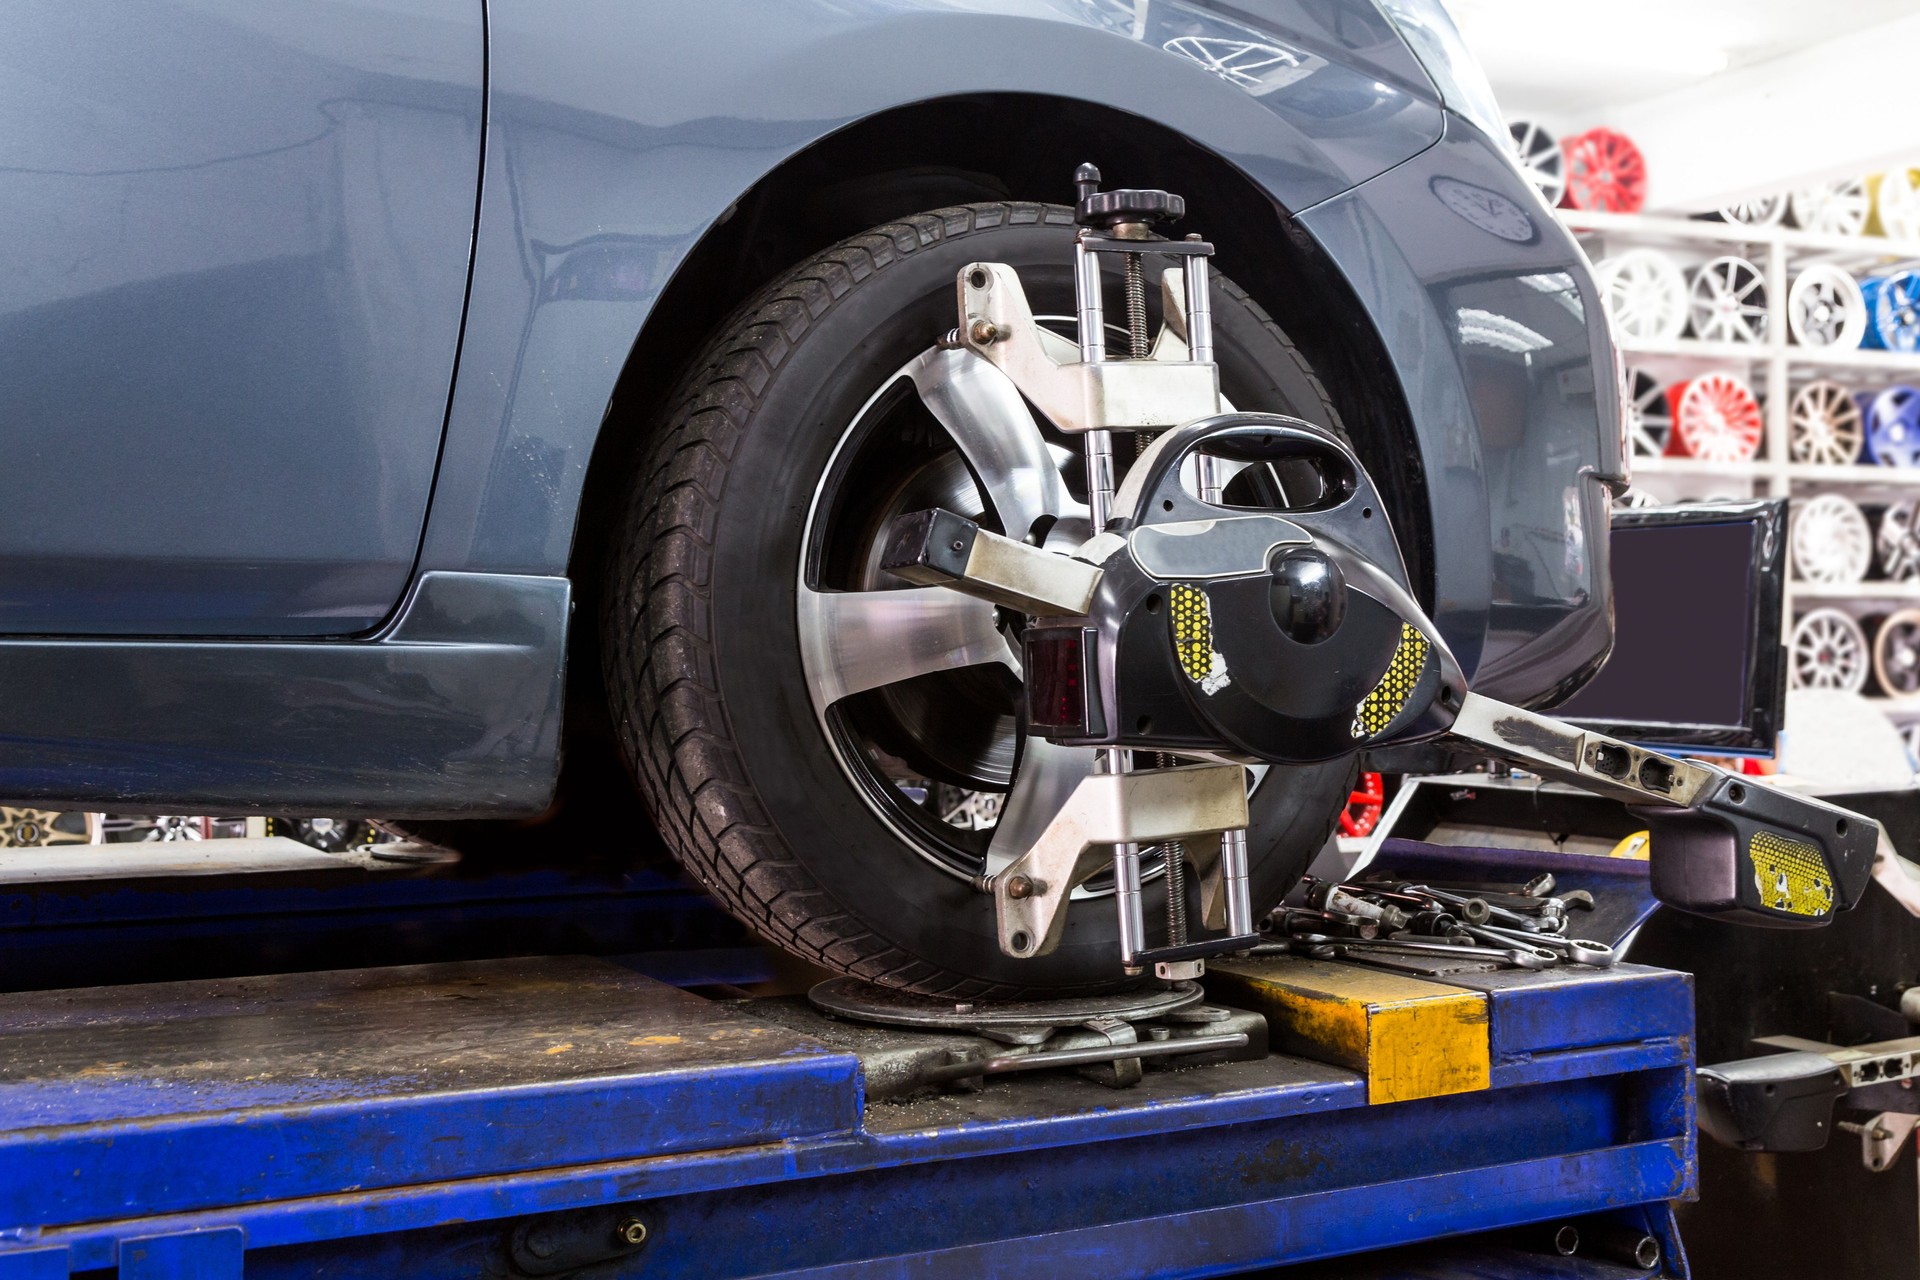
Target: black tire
pixel 700 643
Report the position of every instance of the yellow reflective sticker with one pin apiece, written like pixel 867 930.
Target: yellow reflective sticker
pixel 1193 638
pixel 1790 875
pixel 1378 709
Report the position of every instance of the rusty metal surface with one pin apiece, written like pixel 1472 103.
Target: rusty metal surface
pixel 69 1057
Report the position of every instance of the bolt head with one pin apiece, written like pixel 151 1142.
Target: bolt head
pixel 984 332
pixel 633 1231
pixel 1019 887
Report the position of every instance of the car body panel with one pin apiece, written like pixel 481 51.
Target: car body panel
pixel 235 260
pixel 1490 315
pixel 618 135
pixel 454 709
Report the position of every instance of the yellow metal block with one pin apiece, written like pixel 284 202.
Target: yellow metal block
pixel 1411 1037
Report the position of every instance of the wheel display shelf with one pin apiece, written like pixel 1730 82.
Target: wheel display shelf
pixel 1813 437
pixel 1827 650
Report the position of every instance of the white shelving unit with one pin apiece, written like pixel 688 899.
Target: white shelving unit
pixel 1775 369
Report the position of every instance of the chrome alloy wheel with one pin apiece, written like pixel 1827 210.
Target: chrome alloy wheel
pixel 918 688
pixel 1540 157
pixel 1898 541
pixel 1649 417
pixel 1728 302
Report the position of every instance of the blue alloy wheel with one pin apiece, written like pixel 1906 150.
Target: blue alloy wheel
pixel 1893 311
pixel 1893 427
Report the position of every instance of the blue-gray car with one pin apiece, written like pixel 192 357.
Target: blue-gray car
pixel 486 414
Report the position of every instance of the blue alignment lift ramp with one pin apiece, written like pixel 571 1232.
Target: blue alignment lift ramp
pixel 569 1116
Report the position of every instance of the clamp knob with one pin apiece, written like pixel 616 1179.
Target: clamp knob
pixel 1108 209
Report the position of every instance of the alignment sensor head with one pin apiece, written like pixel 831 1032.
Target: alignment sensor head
pixel 1283 633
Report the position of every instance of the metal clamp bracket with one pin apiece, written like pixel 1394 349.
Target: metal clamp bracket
pixel 937 548
pixel 997 323
pixel 1143 807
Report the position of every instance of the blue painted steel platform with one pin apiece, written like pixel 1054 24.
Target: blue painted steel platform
pixel 513 1117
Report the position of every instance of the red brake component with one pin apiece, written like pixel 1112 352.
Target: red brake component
pixel 1364 806
pixel 1605 172
pixel 1715 417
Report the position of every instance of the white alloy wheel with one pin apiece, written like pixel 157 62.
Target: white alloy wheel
pixel 1830 541
pixel 1540 158
pixel 1898 540
pixel 1833 208
pixel 1645 293
pixel 1823 425
pixel 1728 301
pixel 1761 211
pixel 1825 309
pixel 1827 651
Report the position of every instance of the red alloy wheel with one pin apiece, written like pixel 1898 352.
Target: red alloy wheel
pixel 1715 417
pixel 1605 172
pixel 1363 806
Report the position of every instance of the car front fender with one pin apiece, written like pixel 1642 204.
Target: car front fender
pixel 619 134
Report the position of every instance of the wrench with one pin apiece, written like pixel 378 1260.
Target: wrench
pixel 1578 950
pixel 1510 953
pixel 1525 923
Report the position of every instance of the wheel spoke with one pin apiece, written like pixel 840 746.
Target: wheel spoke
pixel 984 413
pixel 1046 777
pixel 852 641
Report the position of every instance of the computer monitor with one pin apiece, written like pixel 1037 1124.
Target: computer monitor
pixel 1697 664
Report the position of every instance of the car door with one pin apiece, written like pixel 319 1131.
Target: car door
pixel 234 241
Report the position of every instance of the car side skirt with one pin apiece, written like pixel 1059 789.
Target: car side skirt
pixel 454 709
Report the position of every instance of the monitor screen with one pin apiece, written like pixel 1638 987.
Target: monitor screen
pixel 1696 660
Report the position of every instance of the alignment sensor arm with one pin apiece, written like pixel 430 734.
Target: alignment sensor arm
pixel 1720 844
